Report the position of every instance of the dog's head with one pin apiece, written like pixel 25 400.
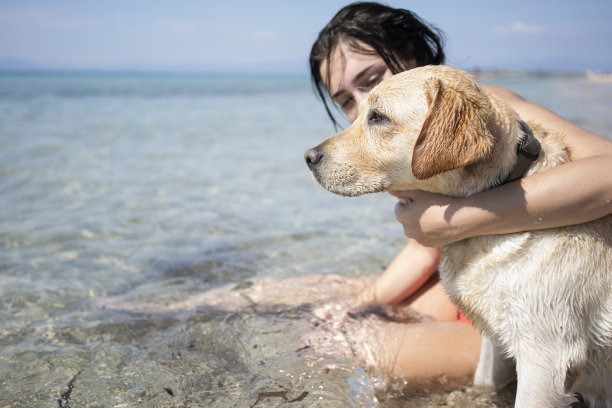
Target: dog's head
pixel 414 126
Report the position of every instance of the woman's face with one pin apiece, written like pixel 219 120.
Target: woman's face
pixel 351 76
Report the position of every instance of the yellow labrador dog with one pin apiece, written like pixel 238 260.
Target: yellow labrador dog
pixel 544 296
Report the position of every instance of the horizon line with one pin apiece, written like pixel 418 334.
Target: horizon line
pixel 153 71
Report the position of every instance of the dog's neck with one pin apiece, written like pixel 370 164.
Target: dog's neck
pixel 511 160
pixel 527 151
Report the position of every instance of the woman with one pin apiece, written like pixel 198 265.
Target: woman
pixel 366 43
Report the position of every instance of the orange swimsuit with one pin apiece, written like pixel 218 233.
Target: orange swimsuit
pixel 462 317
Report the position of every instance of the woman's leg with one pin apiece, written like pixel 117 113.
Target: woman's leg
pixel 431 300
pixel 439 353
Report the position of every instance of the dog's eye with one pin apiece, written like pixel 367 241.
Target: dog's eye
pixel 377 117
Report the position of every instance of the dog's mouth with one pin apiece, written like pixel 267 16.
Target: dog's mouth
pixel 347 182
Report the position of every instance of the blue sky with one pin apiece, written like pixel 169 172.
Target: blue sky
pixel 275 36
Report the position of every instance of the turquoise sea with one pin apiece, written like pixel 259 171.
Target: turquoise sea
pixel 156 187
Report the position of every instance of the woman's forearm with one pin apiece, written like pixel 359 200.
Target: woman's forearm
pixel 410 269
pixel 573 193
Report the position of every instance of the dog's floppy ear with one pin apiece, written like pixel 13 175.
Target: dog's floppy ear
pixel 454 134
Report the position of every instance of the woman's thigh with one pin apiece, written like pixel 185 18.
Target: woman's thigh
pixel 445 354
pixel 431 300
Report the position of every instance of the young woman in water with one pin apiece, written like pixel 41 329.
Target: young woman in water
pixel 366 43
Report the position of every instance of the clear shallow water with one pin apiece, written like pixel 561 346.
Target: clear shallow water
pixel 153 188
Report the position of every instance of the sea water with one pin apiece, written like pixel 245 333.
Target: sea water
pixel 157 187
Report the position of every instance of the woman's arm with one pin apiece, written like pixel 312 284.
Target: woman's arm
pixel 410 269
pixel 573 193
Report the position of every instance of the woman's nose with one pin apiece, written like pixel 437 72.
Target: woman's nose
pixel 360 94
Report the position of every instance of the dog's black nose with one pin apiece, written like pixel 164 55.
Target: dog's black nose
pixel 312 156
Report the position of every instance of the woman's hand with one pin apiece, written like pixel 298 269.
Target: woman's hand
pixel 427 217
pixel 368 296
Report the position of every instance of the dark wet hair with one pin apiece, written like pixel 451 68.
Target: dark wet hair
pixel 398 36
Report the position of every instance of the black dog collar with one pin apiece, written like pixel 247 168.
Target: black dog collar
pixel 527 151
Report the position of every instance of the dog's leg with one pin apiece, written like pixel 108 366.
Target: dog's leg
pixel 595 383
pixel 542 380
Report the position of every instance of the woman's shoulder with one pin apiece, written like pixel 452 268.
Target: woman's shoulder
pixel 504 93
pixel 582 143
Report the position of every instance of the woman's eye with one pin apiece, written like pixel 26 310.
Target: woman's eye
pixel 346 104
pixel 377 117
pixel 373 81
